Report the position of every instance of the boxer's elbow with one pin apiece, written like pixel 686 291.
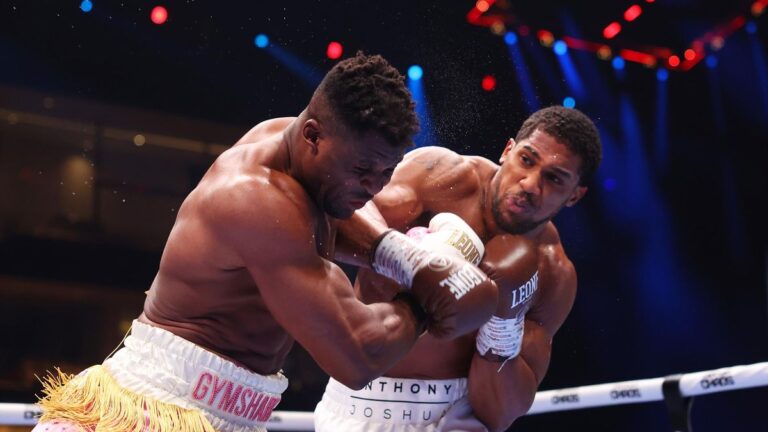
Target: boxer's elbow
pixel 498 417
pixel 364 361
pixel 353 377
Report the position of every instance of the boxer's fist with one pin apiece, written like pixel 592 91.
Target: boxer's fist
pixel 512 262
pixel 456 296
pixel 449 233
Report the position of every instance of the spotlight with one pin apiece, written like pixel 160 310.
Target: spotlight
pixel 415 72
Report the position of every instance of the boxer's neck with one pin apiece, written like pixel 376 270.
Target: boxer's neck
pixel 286 157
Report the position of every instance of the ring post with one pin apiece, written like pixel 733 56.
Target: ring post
pixel 678 406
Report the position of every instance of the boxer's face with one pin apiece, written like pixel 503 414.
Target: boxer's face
pixel 538 176
pixel 351 168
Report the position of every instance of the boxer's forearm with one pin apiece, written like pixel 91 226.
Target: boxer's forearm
pixel 499 397
pixel 378 343
pixel 356 236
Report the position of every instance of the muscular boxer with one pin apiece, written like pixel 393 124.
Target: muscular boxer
pixel 485 380
pixel 247 269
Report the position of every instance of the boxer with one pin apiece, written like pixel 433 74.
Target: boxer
pixel 483 380
pixel 247 270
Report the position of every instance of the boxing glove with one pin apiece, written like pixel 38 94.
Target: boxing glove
pixel 512 262
pixel 456 296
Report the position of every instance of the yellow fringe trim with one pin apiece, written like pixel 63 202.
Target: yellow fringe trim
pixel 94 401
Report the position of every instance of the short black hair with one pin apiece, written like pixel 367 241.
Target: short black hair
pixel 571 128
pixel 367 94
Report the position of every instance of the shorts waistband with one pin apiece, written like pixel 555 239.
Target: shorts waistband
pixel 395 400
pixel 166 367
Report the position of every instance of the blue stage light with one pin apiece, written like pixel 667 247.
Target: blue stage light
pixel 415 72
pixel 711 61
pixel 86 6
pixel 560 48
pixel 569 102
pixel 618 63
pixel 261 40
pixel 510 38
pixel 662 74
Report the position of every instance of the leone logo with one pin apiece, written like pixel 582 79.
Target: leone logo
pixel 439 262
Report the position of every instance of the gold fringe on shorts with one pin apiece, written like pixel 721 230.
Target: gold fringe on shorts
pixel 94 401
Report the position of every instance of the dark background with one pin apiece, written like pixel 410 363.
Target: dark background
pixel 669 244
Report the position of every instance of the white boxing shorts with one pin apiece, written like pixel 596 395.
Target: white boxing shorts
pixel 179 384
pixel 397 405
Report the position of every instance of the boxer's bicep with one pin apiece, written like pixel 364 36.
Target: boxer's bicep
pixel 558 293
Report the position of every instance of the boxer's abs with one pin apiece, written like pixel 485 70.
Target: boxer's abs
pixel 227 317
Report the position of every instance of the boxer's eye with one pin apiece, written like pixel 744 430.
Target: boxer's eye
pixel 555 179
pixel 526 160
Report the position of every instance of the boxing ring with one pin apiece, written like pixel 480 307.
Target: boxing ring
pixel 677 391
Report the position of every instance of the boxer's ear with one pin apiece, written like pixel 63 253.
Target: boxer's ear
pixel 310 131
pixel 576 196
pixel 507 148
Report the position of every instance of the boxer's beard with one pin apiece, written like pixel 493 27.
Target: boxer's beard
pixel 520 226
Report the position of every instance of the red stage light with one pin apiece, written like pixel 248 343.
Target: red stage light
pixel 482 5
pixel 489 83
pixel 674 61
pixel 611 30
pixel 689 54
pixel 159 15
pixel 632 12
pixel 334 50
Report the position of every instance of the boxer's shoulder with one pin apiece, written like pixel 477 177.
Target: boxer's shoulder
pixel 442 170
pixel 264 129
pixel 259 201
pixel 552 252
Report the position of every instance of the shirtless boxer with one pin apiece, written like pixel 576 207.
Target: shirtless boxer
pixel 510 207
pixel 246 270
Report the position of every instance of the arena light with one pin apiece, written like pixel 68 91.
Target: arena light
pixel 604 52
pixel 674 61
pixel 751 27
pixel 560 48
pixel 415 72
pixel 261 40
pixel 618 63
pixel 662 74
pixel 611 30
pixel 482 5
pixel 711 61
pixel 86 6
pixel 757 8
pixel 632 13
pixel 510 38
pixel 159 15
pixel 689 54
pixel 488 83
pixel 546 37
pixel 569 102
pixel 334 50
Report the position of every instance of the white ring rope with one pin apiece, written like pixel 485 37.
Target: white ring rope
pixel 618 393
